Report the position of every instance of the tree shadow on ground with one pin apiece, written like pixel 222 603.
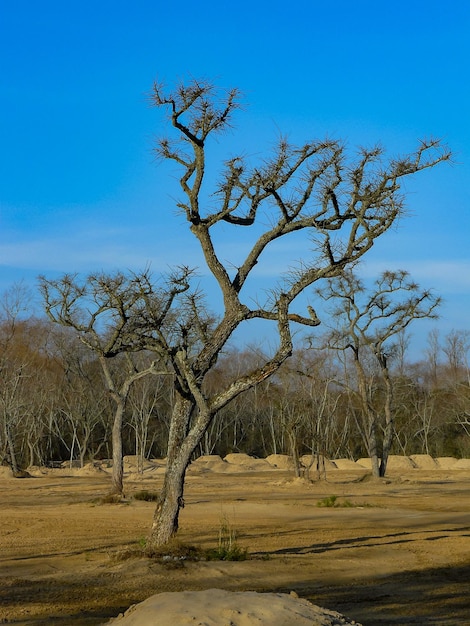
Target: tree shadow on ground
pixel 368 541
pixel 435 597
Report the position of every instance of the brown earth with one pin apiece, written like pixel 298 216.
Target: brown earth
pixel 399 555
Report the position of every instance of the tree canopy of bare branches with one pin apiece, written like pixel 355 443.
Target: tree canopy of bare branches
pixel 369 323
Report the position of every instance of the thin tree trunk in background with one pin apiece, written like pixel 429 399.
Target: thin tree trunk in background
pixel 118 467
pixel 11 449
pixel 389 421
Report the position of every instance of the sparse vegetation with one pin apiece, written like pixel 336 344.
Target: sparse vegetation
pixel 146 496
pixel 175 553
pixel 111 498
pixel 228 548
pixel 332 502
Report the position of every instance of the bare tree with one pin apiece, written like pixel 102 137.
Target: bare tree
pixel 370 325
pixel 342 203
pixel 24 378
pixel 105 312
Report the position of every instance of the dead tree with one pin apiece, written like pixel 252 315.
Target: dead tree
pixel 105 311
pixel 368 325
pixel 341 202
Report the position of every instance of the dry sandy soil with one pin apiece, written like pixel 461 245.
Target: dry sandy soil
pixel 399 555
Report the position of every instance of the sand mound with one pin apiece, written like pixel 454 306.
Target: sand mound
pixel 245 462
pixel 89 469
pixel 446 462
pixel 215 607
pixel 347 464
pixel 280 461
pixel 395 462
pixel 5 472
pixel 208 463
pixel 132 462
pixel 214 463
pixel 36 470
pixel 462 464
pixel 306 461
pixel 239 458
pixel 423 461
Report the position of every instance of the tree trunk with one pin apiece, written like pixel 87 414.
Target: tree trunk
pixel 11 449
pixel 373 446
pixel 294 452
pixel 368 417
pixel 170 502
pixel 165 519
pixel 118 469
pixel 389 423
pixel 182 443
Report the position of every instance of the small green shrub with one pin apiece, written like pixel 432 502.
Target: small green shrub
pixel 112 498
pixel 227 549
pixel 232 553
pixel 329 501
pixel 147 496
pixel 332 502
pixel 174 551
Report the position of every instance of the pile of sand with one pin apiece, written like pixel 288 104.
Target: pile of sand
pixel 320 460
pixel 208 463
pixel 395 462
pixel 247 463
pixel 423 461
pixel 463 464
pixel 5 472
pixel 446 462
pixel 280 461
pixel 236 463
pixel 347 464
pixel 215 607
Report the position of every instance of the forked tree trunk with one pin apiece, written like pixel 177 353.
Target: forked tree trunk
pixel 186 433
pixel 170 502
pixel 180 450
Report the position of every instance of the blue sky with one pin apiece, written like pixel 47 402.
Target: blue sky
pixel 80 190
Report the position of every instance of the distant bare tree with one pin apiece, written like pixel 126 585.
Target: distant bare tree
pixel 370 324
pixel 22 376
pixel 106 313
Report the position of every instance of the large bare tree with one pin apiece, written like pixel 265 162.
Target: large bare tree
pixel 342 203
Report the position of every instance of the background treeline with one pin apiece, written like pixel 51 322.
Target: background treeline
pixel 54 405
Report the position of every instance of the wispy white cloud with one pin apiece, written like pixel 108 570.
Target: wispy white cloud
pixel 452 276
pixel 92 249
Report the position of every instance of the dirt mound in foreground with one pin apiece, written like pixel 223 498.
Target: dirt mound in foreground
pixel 215 606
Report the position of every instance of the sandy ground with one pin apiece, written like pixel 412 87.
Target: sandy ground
pixel 399 555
